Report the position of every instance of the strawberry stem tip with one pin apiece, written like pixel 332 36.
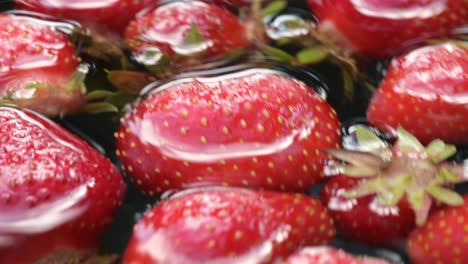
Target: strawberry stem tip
pixel 408 169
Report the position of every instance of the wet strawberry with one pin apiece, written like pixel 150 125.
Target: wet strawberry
pixel 112 14
pixel 185 32
pixel 365 219
pixel 39 67
pixel 385 28
pixel 395 188
pixel 425 92
pixel 326 255
pixel 443 239
pixel 228 226
pixel 256 128
pixel 57 194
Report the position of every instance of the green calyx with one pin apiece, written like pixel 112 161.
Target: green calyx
pixel 407 170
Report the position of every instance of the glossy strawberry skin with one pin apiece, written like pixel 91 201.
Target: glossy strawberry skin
pixel 384 28
pixel 327 255
pixel 111 14
pixel 364 219
pixel 58 194
pixel 424 91
pixel 256 129
pixel 224 225
pixel 36 63
pixel 442 239
pixel 165 28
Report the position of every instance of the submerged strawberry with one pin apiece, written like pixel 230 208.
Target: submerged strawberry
pixel 57 194
pixel 327 255
pixel 257 128
pixel 112 14
pixel 443 239
pixel 385 28
pixel 186 32
pixel 39 68
pixel 365 219
pixel 225 225
pixel 425 92
pixel 376 208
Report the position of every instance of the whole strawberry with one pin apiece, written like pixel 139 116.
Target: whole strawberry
pixel 184 32
pixel 57 194
pixel 39 67
pixel 255 128
pixel 365 219
pixel 223 225
pixel 113 15
pixel 424 91
pixel 386 28
pixel 328 255
pixel 383 194
pixel 443 239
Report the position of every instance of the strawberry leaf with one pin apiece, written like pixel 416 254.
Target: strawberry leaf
pixel 98 94
pixel 312 55
pixel 445 195
pixel 274 8
pixel 193 37
pixel 421 204
pixel 368 139
pixel 438 151
pixel 407 143
pixel 277 54
pixel 357 158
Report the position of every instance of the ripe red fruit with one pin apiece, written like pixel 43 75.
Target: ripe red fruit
pixel 112 14
pixel 365 219
pixel 389 183
pixel 223 225
pixel 327 255
pixel 443 239
pixel 57 194
pixel 425 92
pixel 39 67
pixel 257 129
pixel 182 30
pixel 386 28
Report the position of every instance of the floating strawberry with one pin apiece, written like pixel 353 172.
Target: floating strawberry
pixel 224 225
pixel 256 128
pixel 57 194
pixel 114 15
pixel 443 239
pixel 425 92
pixel 184 32
pixel 376 206
pixel 39 67
pixel 385 28
pixel 328 255
pixel 366 219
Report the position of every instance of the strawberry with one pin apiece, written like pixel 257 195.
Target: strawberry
pixel 385 28
pixel 424 91
pixel 39 67
pixel 396 187
pixel 58 194
pixel 224 225
pixel 113 15
pixel 443 239
pixel 182 30
pixel 328 255
pixel 364 219
pixel 256 128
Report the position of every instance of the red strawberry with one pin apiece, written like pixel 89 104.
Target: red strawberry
pixel 425 92
pixel 377 208
pixel 327 255
pixel 57 193
pixel 182 30
pixel 385 28
pixel 443 239
pixel 113 14
pixel 223 225
pixel 256 128
pixel 39 68
pixel 365 219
